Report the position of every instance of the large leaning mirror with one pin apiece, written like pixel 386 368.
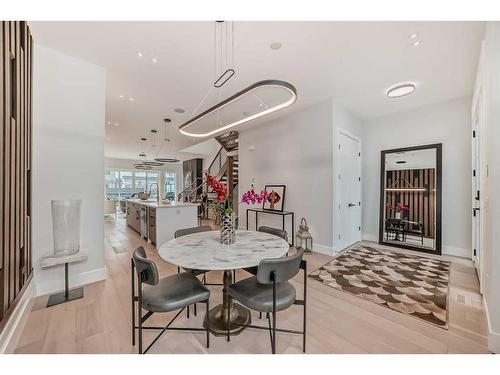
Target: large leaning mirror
pixel 410 198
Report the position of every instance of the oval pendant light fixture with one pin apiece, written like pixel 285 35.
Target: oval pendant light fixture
pixel 257 100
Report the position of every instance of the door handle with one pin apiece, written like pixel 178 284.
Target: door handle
pixel 351 205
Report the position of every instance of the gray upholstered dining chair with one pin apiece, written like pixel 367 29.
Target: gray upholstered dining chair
pixel 277 232
pixel 184 232
pixel 175 292
pixel 270 291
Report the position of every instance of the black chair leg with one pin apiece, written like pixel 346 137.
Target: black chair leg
pixel 206 323
pixel 187 312
pixel 273 277
pixel 228 323
pixel 139 316
pixel 195 309
pixel 274 332
pixel 133 302
pixel 260 315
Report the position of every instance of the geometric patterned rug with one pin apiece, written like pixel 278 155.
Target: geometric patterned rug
pixel 413 285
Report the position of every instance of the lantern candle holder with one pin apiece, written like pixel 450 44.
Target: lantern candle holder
pixel 303 238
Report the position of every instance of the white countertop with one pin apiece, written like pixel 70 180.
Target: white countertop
pixel 154 204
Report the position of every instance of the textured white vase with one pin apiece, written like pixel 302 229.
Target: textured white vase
pixel 66 226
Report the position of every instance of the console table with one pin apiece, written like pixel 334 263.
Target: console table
pixel 283 214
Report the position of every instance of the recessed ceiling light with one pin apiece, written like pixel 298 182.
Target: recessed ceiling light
pixel 413 36
pixel 121 96
pixel 139 54
pixel 416 43
pixel 131 99
pixel 154 60
pixel 179 110
pixel 117 124
pixel 109 123
pixel 401 90
pixel 276 45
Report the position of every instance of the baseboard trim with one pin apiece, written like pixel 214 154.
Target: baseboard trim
pixel 322 249
pixel 456 252
pixel 12 331
pixel 493 337
pixel 51 286
pixel 369 237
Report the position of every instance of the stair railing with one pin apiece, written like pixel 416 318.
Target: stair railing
pixel 218 162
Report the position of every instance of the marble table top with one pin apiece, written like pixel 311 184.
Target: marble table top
pixel 204 251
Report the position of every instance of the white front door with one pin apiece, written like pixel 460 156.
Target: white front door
pixel 348 219
pixel 476 187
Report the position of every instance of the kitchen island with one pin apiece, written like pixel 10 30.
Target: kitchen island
pixel 157 222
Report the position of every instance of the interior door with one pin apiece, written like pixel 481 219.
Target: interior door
pixel 476 188
pixel 348 220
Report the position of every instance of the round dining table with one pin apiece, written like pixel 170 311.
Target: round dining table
pixel 204 251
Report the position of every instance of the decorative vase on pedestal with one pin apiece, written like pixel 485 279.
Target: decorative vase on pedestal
pixel 227 230
pixel 66 226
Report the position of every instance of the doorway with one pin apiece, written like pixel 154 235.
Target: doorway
pixel 477 179
pixel 347 221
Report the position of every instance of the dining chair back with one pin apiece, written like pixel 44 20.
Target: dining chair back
pixel 145 267
pixel 277 232
pixel 279 269
pixel 184 232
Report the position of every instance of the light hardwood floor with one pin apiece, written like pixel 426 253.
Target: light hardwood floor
pixel 337 322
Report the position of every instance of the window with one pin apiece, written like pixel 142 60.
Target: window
pixel 122 184
pixel 140 182
pixel 126 184
pixel 170 185
pixel 152 178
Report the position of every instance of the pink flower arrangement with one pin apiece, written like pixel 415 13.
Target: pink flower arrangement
pixel 251 197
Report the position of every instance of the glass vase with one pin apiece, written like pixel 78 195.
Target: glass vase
pixel 66 226
pixel 227 229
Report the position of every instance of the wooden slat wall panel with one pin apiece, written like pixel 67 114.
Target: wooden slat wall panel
pixel 421 206
pixel 15 166
pixel 2 174
pixel 6 163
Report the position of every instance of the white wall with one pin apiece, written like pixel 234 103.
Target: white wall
pixel 297 151
pixel 205 150
pixel 447 123
pixel 488 80
pixel 128 164
pixel 68 159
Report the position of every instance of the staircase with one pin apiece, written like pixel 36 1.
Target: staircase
pixel 224 168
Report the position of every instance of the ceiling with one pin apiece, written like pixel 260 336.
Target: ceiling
pixel 352 62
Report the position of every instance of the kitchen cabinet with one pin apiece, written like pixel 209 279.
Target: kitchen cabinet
pixel 152 225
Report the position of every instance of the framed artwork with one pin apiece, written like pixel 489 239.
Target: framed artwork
pixel 275 198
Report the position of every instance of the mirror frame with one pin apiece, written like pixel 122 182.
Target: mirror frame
pixel 439 148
